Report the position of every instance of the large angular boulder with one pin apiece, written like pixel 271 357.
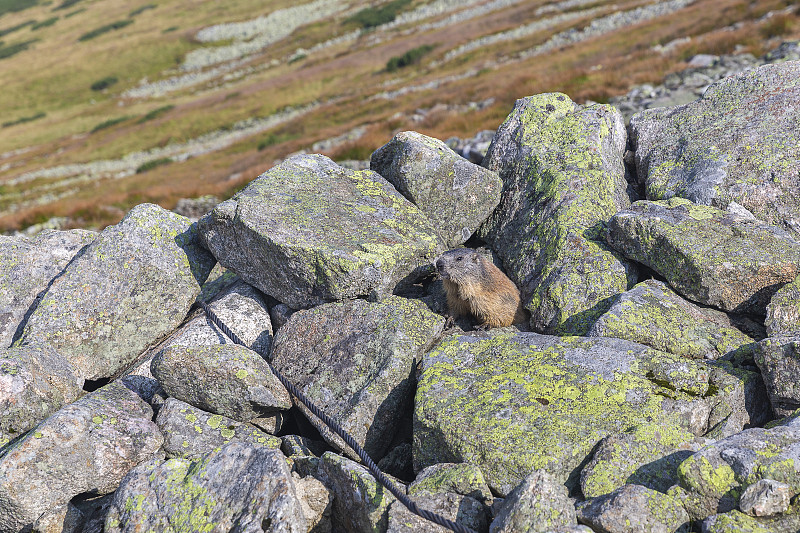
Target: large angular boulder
pixel 634 509
pixel 28 266
pixel 309 231
pixel 511 403
pixel 738 143
pixel 652 314
pixel 454 194
pixel 536 505
pixel 709 256
pixel 34 383
pixel 86 447
pixel 563 178
pixel 128 288
pixel 239 487
pixel 355 360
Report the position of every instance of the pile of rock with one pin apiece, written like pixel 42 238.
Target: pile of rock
pixel 647 396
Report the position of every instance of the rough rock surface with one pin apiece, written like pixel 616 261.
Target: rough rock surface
pixel 563 177
pixel 783 311
pixel 765 497
pixel 34 383
pixel 86 447
pixel 779 361
pixel 538 504
pixel 652 314
pixel 309 231
pixel 634 509
pixel 709 256
pixel 355 360
pixel 734 144
pixel 227 379
pixel 457 508
pixel 568 393
pixel 28 266
pixel 715 476
pixel 131 286
pixel 180 495
pixel 454 194
pixel 190 432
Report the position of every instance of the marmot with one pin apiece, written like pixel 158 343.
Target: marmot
pixel 475 286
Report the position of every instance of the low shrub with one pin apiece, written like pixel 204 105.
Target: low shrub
pixel 153 163
pixel 22 120
pixel 16 27
pixel 104 83
pixel 409 58
pixel 142 9
pixel 12 6
pixel 108 123
pixel 372 17
pixel 155 113
pixel 105 29
pixel 44 23
pixel 13 49
pixel 66 4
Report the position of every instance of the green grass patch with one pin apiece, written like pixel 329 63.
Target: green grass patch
pixel 142 9
pixel 108 123
pixel 66 4
pixel 153 163
pixel 104 83
pixel 170 29
pixel 372 17
pixel 409 58
pixel 105 29
pixel 44 23
pixel 12 6
pixel 14 49
pixel 23 120
pixel 17 27
pixel 155 113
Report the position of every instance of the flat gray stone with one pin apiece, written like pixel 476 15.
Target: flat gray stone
pixel 225 379
pixel 127 289
pixel 737 143
pixel 309 231
pixel 563 178
pixel 455 195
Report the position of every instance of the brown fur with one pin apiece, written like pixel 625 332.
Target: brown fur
pixel 476 287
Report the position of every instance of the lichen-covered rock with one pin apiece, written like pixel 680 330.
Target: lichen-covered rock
pixel 648 458
pixel 190 432
pixel 355 360
pixel 455 195
pixel 563 178
pixel 779 361
pixel 783 311
pixel 86 447
pixel 709 256
pixel 360 503
pixel 237 488
pixel 737 143
pixel 515 402
pixel 458 478
pixel 35 382
pixel 225 379
pixel 738 522
pixel 652 314
pixel 634 509
pixel 26 268
pixel 309 231
pixel 715 476
pixel 128 288
pixel 463 510
pixel 536 505
pixel 765 497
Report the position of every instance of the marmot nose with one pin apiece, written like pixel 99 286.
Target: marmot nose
pixel 439 264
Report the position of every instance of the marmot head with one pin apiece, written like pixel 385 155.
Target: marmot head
pixel 461 265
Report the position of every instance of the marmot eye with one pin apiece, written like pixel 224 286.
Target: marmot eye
pixel 459 258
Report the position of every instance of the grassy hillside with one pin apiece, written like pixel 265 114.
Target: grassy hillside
pixel 106 104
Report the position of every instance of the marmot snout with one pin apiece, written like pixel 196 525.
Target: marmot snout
pixel 476 287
